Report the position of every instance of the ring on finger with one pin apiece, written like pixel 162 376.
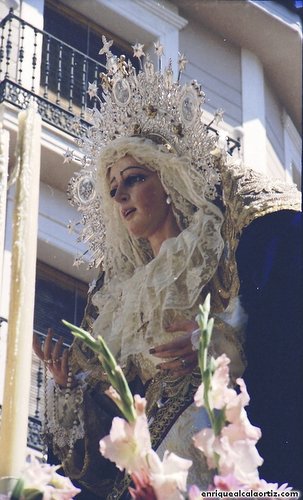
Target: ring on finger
pixel 48 361
pixel 184 363
pixel 57 360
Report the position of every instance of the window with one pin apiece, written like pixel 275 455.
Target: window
pixel 58 296
pixel 79 32
pixel 70 56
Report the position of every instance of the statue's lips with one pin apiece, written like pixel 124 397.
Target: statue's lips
pixel 127 212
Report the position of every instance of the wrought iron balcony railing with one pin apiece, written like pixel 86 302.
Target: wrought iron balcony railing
pixel 35 63
pixel 36 403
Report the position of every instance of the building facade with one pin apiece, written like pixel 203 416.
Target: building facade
pixel 245 53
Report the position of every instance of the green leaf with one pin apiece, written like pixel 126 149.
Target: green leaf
pixel 209 330
pixel 113 370
pixel 18 490
pixel 83 335
pixel 107 353
pixel 32 494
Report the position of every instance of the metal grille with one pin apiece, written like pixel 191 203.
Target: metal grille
pixel 34 63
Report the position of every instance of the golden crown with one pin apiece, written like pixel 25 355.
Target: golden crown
pixel 147 103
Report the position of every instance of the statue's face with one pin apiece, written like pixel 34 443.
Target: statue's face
pixel 141 197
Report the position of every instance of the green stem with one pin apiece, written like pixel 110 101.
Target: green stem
pixel 206 326
pixel 113 370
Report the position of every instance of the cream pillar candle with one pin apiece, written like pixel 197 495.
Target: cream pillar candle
pixel 13 432
pixel 4 144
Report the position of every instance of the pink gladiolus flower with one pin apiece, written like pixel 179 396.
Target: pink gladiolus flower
pixel 38 475
pixel 263 485
pixel 237 402
pixel 140 405
pixel 199 396
pixel 168 478
pixel 128 443
pixel 227 483
pixel 240 427
pixel 241 430
pixel 44 478
pixel 219 394
pixel 143 489
pixel 64 488
pixel 204 440
pixel 239 458
pixel 113 394
pixel 194 493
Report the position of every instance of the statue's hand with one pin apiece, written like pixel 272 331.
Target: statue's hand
pixel 54 357
pixel 180 359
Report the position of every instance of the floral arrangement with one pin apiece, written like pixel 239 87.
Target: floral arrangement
pixel 229 445
pixel 40 481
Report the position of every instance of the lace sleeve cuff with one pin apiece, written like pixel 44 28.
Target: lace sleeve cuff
pixel 64 413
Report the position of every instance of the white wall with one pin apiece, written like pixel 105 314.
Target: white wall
pixel 56 245
pixel 284 144
pixel 216 64
pixel 274 122
pixel 292 150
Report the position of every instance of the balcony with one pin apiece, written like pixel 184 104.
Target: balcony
pixel 34 63
pixel 36 404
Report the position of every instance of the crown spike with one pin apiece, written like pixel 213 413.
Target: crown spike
pixel 139 53
pixel 182 61
pixel 159 51
pixel 169 74
pixel 106 46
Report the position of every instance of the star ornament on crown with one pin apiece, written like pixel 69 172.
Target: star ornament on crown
pixel 148 103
